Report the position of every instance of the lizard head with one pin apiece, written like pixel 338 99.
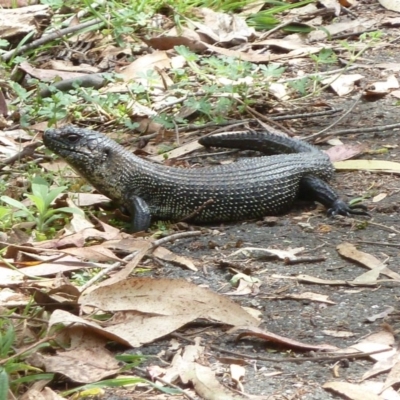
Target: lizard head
pixel 81 148
pixel 92 154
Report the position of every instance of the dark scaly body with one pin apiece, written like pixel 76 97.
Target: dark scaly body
pixel 250 188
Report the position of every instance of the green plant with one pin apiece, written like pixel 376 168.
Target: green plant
pixel 42 197
pixel 301 86
pixel 265 20
pixel 325 56
pixel 14 372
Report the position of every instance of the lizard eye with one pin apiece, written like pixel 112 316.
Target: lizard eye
pixel 72 137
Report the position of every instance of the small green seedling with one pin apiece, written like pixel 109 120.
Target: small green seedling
pixel 41 213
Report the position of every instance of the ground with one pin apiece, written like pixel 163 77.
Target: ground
pixel 304 320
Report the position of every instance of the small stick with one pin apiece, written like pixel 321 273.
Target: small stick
pixel 48 38
pixel 27 151
pixel 285 359
pixel 321 133
pixel 173 237
pixel 300 260
pixel 379 243
pixel 379 128
pixel 129 257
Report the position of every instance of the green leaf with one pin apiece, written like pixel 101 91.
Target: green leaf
pixel 38 202
pixel 33 378
pixel 6 340
pixel 71 210
pixel 14 203
pixel 53 194
pixel 40 187
pixel 4 211
pixel 4 384
pixel 117 382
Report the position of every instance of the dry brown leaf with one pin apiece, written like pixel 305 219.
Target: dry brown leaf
pixel 47 75
pixel 245 287
pixel 380 315
pixel 127 269
pixel 259 253
pixel 394 374
pixel 206 384
pixel 158 59
pixel 379 197
pixel 320 281
pixel 392 5
pixel 381 342
pixel 342 84
pixel 344 152
pixel 351 391
pixel 168 297
pixel 167 255
pixel 293 42
pixel 88 199
pixel 388 360
pixel 339 334
pixel 44 393
pixel 272 337
pixel 10 298
pixel 311 296
pixel 169 42
pixel 349 251
pixel 382 88
pixel 64 264
pixel 86 361
pixel 368 278
pixel 95 253
pixel 68 320
pixel 141 328
pixel 223 27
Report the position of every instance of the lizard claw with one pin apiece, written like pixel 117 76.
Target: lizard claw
pixel 339 207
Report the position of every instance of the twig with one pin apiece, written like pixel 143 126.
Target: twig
pixel 52 36
pixel 302 359
pixel 300 260
pixel 280 26
pixel 384 227
pixel 198 210
pixel 346 35
pixel 305 115
pixel 264 118
pixel 379 243
pixel 173 237
pixel 27 151
pixel 131 256
pixel 107 270
pixel 212 124
pixel 355 16
pixel 321 133
pixel 286 359
pixel 379 128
